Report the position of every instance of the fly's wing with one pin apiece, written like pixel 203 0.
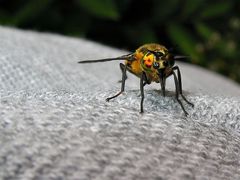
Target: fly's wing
pixel 128 57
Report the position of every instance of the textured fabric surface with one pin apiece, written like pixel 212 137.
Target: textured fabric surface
pixel 55 123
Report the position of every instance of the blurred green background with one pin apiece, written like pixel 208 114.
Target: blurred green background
pixel 208 31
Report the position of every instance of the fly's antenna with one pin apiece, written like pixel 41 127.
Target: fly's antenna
pixel 172 49
pixel 180 57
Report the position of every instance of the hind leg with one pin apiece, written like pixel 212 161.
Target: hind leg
pixel 123 82
pixel 180 85
pixel 177 86
pixel 122 66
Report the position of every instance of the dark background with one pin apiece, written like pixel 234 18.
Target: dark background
pixel 207 31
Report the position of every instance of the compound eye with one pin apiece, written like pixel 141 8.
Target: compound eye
pixel 156 65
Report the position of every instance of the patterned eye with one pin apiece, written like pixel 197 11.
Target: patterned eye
pixel 156 65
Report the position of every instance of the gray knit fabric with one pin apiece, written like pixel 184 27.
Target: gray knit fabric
pixel 55 123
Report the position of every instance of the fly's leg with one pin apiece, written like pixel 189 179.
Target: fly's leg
pixel 143 81
pixel 122 67
pixel 142 91
pixel 180 85
pixel 123 82
pixel 146 80
pixel 177 85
